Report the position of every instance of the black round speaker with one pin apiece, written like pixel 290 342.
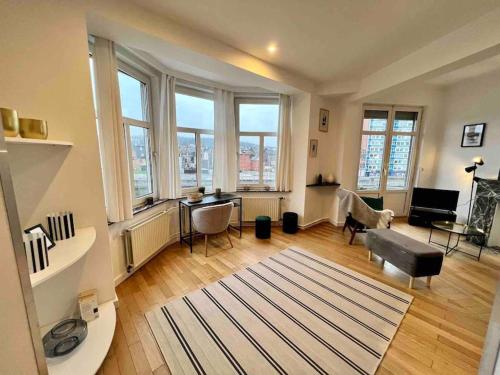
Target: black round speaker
pixel 64 337
pixel 290 222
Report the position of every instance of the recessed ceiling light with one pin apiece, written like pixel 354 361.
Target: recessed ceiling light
pixel 272 48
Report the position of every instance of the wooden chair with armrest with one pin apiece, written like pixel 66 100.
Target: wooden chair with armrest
pixel 363 213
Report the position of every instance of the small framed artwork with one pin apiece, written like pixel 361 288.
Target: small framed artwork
pixel 40 229
pixel 324 118
pixel 473 135
pixel 313 148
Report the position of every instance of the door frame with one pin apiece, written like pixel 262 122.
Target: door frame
pixel 388 133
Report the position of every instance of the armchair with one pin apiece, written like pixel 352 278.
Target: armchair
pixel 360 216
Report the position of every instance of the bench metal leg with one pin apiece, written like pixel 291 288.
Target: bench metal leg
pixel 412 280
pixel 369 255
pixel 383 262
pixel 429 281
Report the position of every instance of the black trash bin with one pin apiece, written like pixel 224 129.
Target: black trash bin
pixel 290 222
pixel 263 227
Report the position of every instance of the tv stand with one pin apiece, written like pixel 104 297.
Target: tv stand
pixel 423 216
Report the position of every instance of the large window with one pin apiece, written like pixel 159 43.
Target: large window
pixel 257 128
pixel 136 113
pixel 195 137
pixel 387 148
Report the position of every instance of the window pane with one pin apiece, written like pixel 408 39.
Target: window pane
pixel 259 117
pixel 270 154
pixel 249 160
pixel 187 158
pixel 132 94
pixel 141 161
pixel 405 121
pixel 370 163
pixel 375 120
pixel 397 178
pixel 194 112
pixel 207 159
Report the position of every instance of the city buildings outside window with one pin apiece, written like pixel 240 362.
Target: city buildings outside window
pixel 385 167
pixel 136 106
pixel 257 128
pixel 195 136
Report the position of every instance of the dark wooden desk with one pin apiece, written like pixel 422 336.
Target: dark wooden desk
pixel 208 200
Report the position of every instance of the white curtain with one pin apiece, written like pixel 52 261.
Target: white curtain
pixel 284 170
pixel 117 187
pixel 225 168
pixel 169 185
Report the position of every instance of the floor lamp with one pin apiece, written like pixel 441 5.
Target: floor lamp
pixel 472 168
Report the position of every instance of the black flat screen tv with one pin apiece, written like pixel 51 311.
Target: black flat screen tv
pixel 435 198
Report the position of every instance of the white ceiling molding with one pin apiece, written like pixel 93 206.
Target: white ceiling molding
pixel 474 42
pixel 138 28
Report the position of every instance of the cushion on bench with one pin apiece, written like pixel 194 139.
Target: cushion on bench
pixel 413 257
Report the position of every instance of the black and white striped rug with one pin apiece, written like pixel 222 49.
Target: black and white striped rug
pixel 292 313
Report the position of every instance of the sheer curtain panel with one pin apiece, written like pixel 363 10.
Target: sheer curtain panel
pixel 284 170
pixel 225 160
pixel 169 185
pixel 116 170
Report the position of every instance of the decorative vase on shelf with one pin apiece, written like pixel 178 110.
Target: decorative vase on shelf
pixel 10 121
pixel 319 179
pixel 33 128
pixel 330 178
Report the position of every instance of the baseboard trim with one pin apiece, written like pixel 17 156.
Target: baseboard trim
pixel 313 223
pixel 337 223
pixel 322 220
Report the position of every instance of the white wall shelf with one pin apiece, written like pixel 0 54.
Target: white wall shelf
pixel 89 355
pixel 65 253
pixel 29 141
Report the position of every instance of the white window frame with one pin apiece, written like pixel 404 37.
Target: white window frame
pixel 386 152
pixel 148 124
pixel 185 90
pixel 261 135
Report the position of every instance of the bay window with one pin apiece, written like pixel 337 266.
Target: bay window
pixel 257 129
pixel 195 136
pixel 135 101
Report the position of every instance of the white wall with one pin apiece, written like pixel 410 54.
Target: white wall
pixel 320 201
pixel 471 101
pixel 17 355
pixel 301 107
pixel 45 74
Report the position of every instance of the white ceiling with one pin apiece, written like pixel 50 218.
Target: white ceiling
pixel 470 71
pixel 324 40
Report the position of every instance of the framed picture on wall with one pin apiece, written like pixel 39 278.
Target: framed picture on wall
pixel 324 119
pixel 473 135
pixel 313 148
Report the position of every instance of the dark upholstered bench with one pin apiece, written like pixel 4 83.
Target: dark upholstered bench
pixel 413 257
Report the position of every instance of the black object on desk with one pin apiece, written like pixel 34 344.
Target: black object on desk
pixel 208 200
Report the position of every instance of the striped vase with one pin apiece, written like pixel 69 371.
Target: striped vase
pixel 35 246
pixel 61 225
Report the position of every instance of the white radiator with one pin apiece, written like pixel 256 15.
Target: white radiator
pixel 267 206
pixel 144 239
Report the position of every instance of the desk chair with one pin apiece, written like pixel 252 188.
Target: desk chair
pixel 213 220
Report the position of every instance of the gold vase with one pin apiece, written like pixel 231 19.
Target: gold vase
pixel 32 128
pixel 10 122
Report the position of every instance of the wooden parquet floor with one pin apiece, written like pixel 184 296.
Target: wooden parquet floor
pixel 442 333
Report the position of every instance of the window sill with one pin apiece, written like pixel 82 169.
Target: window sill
pixel 139 209
pixel 260 190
